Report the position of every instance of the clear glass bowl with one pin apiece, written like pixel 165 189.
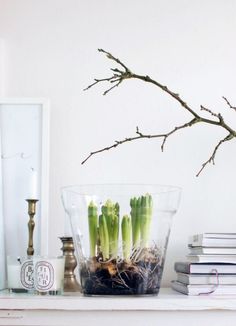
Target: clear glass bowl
pixel 120 235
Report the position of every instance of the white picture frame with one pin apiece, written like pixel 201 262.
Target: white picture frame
pixel 2 236
pixel 27 114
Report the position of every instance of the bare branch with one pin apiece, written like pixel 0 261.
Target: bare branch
pixel 142 136
pixel 110 56
pixel 168 91
pixel 228 103
pixel 96 81
pixel 212 157
pixel 203 108
pixel 185 125
pixel 119 75
pixel 127 74
pixel 116 85
pixel 117 143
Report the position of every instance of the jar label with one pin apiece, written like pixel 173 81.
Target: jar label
pixel 26 274
pixel 44 276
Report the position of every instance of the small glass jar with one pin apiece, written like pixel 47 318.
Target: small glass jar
pixel 49 274
pixel 20 274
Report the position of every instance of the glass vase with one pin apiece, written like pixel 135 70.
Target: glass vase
pixel 120 234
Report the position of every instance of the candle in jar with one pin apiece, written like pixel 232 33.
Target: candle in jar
pixel 49 273
pixel 14 273
pixel 20 273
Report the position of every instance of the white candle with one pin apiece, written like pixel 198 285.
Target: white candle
pixel 14 273
pixel 19 273
pixel 49 273
pixel 13 276
pixel 33 184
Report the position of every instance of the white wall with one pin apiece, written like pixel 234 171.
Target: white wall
pixel 189 45
pixel 2 67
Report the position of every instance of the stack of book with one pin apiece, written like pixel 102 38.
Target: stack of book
pixel 210 265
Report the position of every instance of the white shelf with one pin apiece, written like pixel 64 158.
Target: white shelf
pixel 167 300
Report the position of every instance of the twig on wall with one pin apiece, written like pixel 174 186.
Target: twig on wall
pixel 123 73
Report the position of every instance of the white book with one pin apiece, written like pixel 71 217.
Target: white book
pixel 203 289
pixel 195 279
pixel 203 240
pixel 196 268
pixel 217 235
pixel 229 259
pixel 212 251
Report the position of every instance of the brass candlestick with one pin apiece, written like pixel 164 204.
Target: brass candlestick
pixel 70 282
pixel 31 224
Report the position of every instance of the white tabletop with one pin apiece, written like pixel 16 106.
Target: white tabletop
pixel 166 300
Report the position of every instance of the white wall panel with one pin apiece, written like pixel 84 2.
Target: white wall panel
pixel 187 45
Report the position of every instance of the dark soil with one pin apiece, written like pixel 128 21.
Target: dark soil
pixel 112 278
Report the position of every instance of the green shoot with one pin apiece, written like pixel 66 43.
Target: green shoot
pixel 134 203
pixel 92 223
pixel 126 237
pixel 145 219
pixel 114 237
pixel 104 237
pixel 111 213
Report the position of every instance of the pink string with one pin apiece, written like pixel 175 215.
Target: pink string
pixel 215 285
